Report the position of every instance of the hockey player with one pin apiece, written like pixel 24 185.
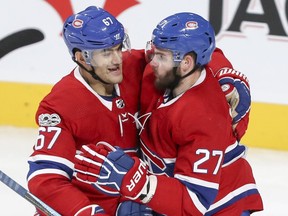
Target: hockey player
pixel 192 163
pixel 98 100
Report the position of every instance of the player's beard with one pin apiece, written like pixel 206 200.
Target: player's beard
pixel 169 81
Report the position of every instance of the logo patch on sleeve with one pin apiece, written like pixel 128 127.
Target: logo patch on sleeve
pixel 49 119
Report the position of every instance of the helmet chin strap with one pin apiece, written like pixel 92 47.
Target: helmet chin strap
pixel 191 72
pixel 91 72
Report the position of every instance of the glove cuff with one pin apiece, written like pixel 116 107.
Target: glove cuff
pixel 148 192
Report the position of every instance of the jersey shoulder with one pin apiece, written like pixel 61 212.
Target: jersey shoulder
pixel 218 61
pixel 67 97
pixel 134 58
pixel 202 106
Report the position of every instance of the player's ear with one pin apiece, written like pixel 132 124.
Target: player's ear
pixel 187 64
pixel 79 57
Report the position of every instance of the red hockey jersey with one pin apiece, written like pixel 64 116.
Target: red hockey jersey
pixel 190 138
pixel 72 115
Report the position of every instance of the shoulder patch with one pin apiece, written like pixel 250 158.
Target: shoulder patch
pixel 49 119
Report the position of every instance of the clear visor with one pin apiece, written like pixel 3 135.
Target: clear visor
pixel 149 51
pixel 101 57
pixel 157 56
pixel 115 54
pixel 126 44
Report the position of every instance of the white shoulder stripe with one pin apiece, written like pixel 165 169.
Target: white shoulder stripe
pixel 196 202
pixel 232 194
pixel 53 159
pixel 48 171
pixel 235 159
pixel 231 147
pixel 169 160
pixel 197 181
pixel 192 195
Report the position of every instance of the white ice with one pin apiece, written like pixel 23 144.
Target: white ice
pixel 270 170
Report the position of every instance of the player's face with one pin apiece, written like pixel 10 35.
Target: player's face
pixel 108 64
pixel 163 64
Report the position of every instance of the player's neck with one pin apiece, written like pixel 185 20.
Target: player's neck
pixel 99 87
pixel 186 83
pixel 102 89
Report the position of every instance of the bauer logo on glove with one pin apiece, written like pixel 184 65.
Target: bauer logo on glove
pixel 111 170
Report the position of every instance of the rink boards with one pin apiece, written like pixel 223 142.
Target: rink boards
pixel 267 127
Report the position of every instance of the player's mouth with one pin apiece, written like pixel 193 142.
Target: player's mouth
pixel 115 70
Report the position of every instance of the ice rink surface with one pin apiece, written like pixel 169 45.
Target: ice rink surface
pixel 270 170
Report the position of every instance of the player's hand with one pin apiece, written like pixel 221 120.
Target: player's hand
pixel 238 96
pixel 236 88
pixel 111 170
pixel 130 208
pixel 88 163
pixel 91 210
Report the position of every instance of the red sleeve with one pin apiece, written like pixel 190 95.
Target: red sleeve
pixel 51 163
pixel 171 196
pixel 57 191
pixel 218 61
pixel 220 67
pixel 51 169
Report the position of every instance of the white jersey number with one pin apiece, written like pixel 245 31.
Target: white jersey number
pixel 206 156
pixel 41 138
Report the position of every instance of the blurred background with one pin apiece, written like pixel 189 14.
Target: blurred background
pixel 252 33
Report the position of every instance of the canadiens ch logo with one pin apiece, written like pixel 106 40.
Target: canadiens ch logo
pixel 192 25
pixel 77 23
pixel 49 119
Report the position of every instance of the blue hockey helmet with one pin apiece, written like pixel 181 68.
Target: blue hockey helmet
pixel 91 29
pixel 183 33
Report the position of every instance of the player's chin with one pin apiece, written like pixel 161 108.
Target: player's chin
pixel 117 79
pixel 116 75
pixel 159 84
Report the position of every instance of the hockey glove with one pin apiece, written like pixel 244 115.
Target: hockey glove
pixel 236 88
pixel 130 208
pixel 111 170
pixel 238 96
pixel 91 210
